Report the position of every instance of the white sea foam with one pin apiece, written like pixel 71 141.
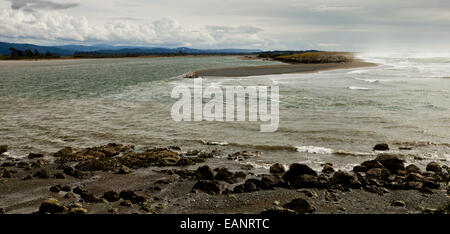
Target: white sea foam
pixel 358 88
pixel 314 150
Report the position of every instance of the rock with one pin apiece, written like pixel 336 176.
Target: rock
pixel 205 173
pixel 414 185
pixel 359 168
pixel 43 174
pixel 67 151
pixel 323 181
pixel 412 169
pixel 78 210
pixel 332 196
pixel 23 164
pixel 3 149
pixel 345 178
pixel 414 177
pixel 124 170
pixel 89 197
pixel 208 186
pixel 250 186
pixel 126 203
pixel 305 181
pixel 376 189
pixel 225 175
pixel 59 175
pixel 69 196
pixel 378 173
pixel 39 163
pixel 191 75
pixel 185 162
pixel 392 163
pixel 33 155
pixel 55 188
pixel 111 196
pixel 271 181
pixel 434 167
pixel 79 191
pixel 2 211
pixel 398 203
pixel 328 169
pixel 277 168
pixel 300 206
pixel 381 147
pixel 132 196
pixel 295 170
pixel 51 206
pixel 430 183
pixel 372 164
pixel 113 210
pixel 307 192
pixel 278 211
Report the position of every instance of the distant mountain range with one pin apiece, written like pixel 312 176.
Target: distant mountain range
pixel 116 50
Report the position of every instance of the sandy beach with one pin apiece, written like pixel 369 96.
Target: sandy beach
pixel 282 69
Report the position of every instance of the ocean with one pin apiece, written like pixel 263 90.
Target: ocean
pixel 332 116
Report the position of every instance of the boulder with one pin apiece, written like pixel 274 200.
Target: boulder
pixel 305 181
pixel 207 186
pixel 43 174
pixel 378 173
pixel 295 170
pixel 328 169
pixel 372 164
pixel 34 155
pixel 277 168
pixel 51 206
pixel 381 147
pixel 78 210
pixel 111 196
pixel 271 181
pixel 67 151
pixel 414 177
pixel 132 196
pixel 359 168
pixel 300 206
pixel 434 167
pixel 398 203
pixel 412 169
pixel 3 149
pixel 124 170
pixel 205 173
pixel 55 188
pixel 392 163
pixel 345 179
pixel 66 188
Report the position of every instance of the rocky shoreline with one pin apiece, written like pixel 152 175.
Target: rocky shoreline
pixel 116 178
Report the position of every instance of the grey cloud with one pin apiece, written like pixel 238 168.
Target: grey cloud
pixel 31 5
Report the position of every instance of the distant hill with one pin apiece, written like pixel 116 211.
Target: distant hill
pixel 116 50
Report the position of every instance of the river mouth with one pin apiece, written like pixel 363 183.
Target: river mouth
pixel 332 116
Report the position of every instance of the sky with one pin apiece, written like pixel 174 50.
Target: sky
pixel 345 25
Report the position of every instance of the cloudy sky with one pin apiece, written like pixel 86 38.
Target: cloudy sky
pixel 352 25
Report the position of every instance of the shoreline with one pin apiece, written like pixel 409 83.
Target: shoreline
pixel 118 179
pixel 281 69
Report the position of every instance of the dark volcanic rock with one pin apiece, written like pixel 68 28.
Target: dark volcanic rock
pixel 305 181
pixel 392 163
pixel 381 147
pixel 43 174
pixel 55 188
pixel 345 179
pixel 205 173
pixel 277 168
pixel 51 206
pixel 271 181
pixel 412 169
pixel 67 151
pixel 208 186
pixel 132 196
pixel 111 196
pixel 34 155
pixel 3 149
pixel 124 170
pixel 378 173
pixel 372 164
pixel 296 170
pixel 434 167
pixel 301 206
pixel 328 169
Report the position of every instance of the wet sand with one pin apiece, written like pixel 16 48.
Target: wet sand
pixel 281 69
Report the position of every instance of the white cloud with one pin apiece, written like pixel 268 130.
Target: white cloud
pixel 55 27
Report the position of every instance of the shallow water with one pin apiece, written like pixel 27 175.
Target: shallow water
pixel 332 116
